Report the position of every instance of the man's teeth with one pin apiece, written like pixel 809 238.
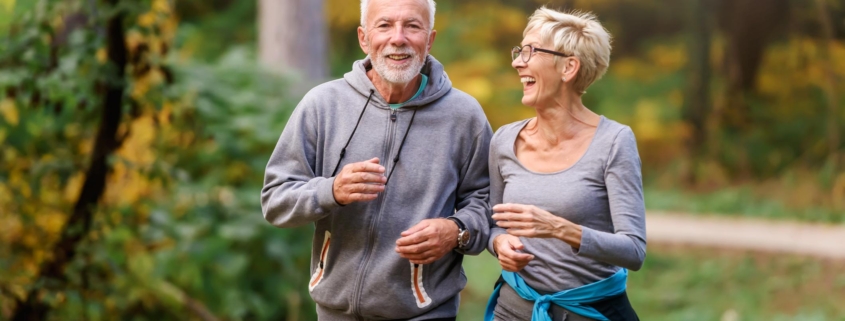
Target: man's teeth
pixel 527 80
pixel 398 57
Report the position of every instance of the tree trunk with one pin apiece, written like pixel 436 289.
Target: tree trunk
pixel 749 26
pixel 292 38
pixel 77 226
pixel 697 102
pixel 833 121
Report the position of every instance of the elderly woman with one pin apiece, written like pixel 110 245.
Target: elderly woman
pixel 566 185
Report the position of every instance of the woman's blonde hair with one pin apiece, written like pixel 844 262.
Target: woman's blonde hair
pixel 579 34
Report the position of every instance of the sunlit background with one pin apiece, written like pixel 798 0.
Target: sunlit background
pixel 738 107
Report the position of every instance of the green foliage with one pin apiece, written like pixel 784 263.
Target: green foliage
pixel 179 230
pixel 47 114
pixel 218 25
pixel 223 250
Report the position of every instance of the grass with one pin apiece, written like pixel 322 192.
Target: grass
pixel 683 283
pixel 737 201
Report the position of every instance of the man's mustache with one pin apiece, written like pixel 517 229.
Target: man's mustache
pixel 388 52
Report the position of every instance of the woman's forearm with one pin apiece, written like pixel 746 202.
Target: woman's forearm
pixel 570 233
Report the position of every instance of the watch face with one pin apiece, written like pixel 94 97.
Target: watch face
pixel 464 238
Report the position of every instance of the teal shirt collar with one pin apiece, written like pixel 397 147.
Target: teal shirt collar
pixel 423 83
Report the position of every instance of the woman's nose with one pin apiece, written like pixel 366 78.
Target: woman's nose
pixel 518 63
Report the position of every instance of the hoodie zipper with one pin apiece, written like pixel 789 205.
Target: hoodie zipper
pixel 365 261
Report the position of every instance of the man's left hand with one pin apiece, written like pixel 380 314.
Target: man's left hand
pixel 428 241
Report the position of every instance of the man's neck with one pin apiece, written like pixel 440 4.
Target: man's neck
pixel 394 93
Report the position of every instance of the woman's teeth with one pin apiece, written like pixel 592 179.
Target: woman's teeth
pixel 527 80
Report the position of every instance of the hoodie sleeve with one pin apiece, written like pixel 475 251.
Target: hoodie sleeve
pixel 472 206
pixel 293 195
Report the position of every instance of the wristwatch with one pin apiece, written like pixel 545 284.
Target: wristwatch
pixel 463 233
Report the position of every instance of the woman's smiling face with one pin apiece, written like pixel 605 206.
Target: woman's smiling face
pixel 540 77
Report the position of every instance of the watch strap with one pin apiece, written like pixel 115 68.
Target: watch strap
pixel 462 232
pixel 461 226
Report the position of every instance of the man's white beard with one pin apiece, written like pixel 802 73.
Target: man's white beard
pixel 393 74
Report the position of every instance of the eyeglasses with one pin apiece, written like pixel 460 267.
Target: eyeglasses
pixel 527 51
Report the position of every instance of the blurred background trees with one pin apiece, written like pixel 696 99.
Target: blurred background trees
pixel 134 135
pixel 292 37
pixel 175 159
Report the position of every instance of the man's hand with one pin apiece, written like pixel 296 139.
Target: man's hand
pixel 428 241
pixel 506 247
pixel 359 182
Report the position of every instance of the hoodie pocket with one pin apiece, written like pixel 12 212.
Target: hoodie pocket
pixel 420 297
pixel 318 273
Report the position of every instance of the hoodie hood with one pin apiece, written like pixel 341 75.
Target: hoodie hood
pixel 438 83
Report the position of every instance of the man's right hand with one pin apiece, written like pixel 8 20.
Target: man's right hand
pixel 506 247
pixel 359 182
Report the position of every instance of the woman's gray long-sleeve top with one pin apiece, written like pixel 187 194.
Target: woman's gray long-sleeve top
pixel 602 192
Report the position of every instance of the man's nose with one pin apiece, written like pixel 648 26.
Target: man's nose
pixel 398 37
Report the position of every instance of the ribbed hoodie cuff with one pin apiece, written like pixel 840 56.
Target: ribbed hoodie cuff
pixel 325 194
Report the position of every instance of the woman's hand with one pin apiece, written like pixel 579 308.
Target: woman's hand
pixel 506 247
pixel 530 221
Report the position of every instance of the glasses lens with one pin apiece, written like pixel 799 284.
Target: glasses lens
pixel 515 53
pixel 527 50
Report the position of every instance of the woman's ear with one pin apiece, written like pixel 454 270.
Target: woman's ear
pixel 570 68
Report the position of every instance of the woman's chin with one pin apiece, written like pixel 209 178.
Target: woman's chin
pixel 529 101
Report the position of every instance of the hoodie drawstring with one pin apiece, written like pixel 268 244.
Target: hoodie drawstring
pixel 401 144
pixel 343 151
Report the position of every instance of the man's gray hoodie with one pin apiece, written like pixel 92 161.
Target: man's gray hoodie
pixel 355 270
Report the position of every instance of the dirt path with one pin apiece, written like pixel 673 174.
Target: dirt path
pixel 818 240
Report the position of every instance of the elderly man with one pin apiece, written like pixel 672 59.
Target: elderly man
pixel 390 164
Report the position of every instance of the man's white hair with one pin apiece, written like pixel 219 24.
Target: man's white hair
pixel 431 8
pixel 579 34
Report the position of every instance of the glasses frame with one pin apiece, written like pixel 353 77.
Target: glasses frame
pixel 517 51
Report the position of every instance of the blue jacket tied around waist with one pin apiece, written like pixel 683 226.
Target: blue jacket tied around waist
pixel 574 300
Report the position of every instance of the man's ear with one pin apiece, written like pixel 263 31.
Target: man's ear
pixel 431 40
pixel 362 40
